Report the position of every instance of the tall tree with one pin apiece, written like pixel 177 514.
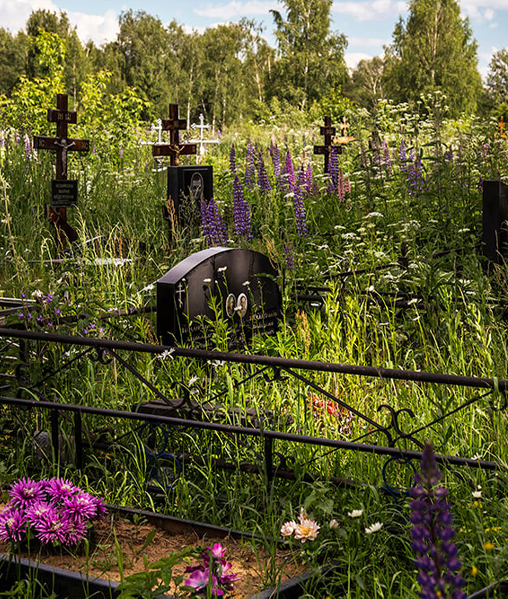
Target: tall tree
pixel 13 50
pixel 310 58
pixel 147 57
pixel 434 50
pixel 497 79
pixel 367 83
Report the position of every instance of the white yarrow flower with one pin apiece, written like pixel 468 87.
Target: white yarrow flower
pixel 355 513
pixel 167 353
pixel 377 526
pixel 477 494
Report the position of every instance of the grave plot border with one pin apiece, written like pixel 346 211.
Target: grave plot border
pixel 392 432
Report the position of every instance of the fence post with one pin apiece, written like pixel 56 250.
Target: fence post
pixel 54 433
pixel 268 441
pixel 78 441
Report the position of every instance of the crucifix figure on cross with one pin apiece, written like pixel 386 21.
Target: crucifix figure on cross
pixel 174 149
pixel 64 192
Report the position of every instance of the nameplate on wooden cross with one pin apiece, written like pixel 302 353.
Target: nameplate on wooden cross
pixel 64 193
pixel 56 115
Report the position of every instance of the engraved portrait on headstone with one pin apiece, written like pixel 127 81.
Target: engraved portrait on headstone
pixel 237 285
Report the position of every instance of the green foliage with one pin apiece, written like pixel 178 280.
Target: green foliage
pixel 434 50
pixel 26 109
pixel 311 58
pixel 335 104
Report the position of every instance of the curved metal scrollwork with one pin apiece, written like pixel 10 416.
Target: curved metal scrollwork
pixel 277 376
pixel 285 462
pixel 394 490
pixel 503 401
pixel 395 426
pixel 101 356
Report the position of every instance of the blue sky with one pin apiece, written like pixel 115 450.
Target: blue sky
pixel 367 25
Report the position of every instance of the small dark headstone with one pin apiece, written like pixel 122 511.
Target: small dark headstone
pixel 495 219
pixel 240 283
pixel 193 182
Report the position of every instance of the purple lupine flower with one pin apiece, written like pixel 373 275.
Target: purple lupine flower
pixel 402 156
pixel 2 142
pixel 415 178
pixel 301 223
pixel 21 315
pixel 486 148
pixel 250 168
pixel 214 227
pixel 288 173
pixel 275 154
pixel 263 181
pixel 241 210
pixel 25 492
pixel 432 533
pixel 120 152
pixel 12 524
pixel 28 147
pixel 341 191
pixel 386 157
pixel 289 257
pixel 309 180
pixel 232 159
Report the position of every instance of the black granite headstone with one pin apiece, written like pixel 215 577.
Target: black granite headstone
pixel 495 219
pixel 193 182
pixel 237 285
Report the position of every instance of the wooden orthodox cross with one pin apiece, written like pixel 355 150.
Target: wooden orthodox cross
pixel 344 138
pixel 174 149
pixel 63 194
pixel 329 132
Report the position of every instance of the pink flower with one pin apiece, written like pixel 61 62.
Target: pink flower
pixel 308 530
pixel 12 524
pixel 26 491
pixel 288 528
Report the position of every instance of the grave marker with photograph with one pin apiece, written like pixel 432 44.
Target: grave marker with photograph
pixel 237 285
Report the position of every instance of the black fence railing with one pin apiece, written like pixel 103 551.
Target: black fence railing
pixel 106 349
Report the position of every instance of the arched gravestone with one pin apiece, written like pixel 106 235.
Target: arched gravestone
pixel 495 220
pixel 240 283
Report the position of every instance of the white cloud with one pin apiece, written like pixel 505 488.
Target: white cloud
pixel 14 13
pixel 98 28
pixel 353 58
pixel 471 8
pixel 367 41
pixel 370 11
pixel 238 9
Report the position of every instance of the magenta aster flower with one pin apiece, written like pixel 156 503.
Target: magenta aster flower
pixel 52 528
pixel 76 531
pixel 26 491
pixel 58 488
pixel 37 510
pixel 81 506
pixel 12 524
